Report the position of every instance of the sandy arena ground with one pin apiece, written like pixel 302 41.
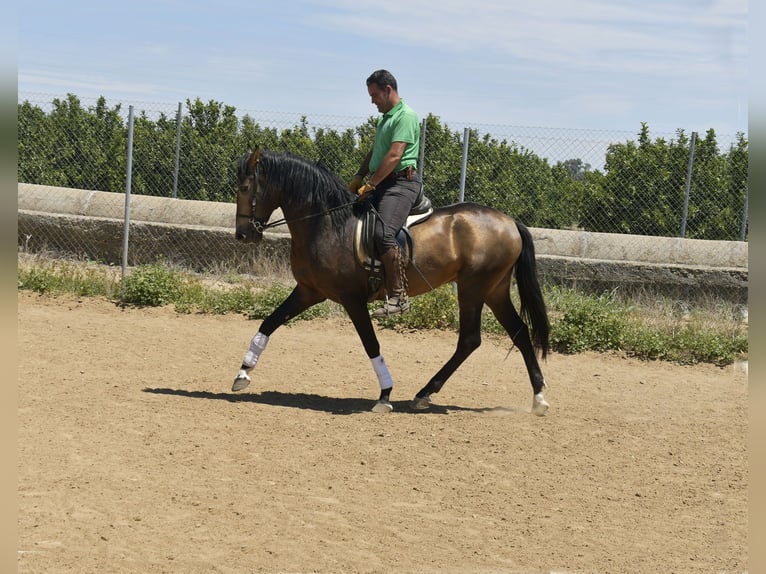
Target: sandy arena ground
pixel 134 456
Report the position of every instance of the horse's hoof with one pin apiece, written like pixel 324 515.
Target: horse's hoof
pixel 382 407
pixel 421 403
pixel 241 382
pixel 539 405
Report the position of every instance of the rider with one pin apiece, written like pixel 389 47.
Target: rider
pixel 394 182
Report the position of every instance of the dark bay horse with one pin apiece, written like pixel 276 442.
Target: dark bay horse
pixel 476 247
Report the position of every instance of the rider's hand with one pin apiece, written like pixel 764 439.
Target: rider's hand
pixel 355 183
pixel 364 191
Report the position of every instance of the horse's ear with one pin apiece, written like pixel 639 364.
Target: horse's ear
pixel 254 157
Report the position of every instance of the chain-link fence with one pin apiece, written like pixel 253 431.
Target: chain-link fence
pixel 663 184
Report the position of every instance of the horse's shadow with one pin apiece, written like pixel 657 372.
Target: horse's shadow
pixel 314 402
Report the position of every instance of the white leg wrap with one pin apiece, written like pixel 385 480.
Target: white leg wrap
pixel 381 370
pixel 257 345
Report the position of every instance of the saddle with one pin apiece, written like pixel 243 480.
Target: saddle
pixel 364 239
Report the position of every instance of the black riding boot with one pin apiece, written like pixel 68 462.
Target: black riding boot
pixel 396 300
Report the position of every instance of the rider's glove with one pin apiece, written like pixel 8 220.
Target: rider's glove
pixel 364 191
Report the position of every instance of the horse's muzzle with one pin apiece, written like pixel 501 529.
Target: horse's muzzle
pixel 247 234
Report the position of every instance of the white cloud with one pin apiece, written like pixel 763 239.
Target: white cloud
pixel 44 81
pixel 593 35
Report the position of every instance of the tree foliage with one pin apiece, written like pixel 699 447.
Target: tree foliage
pixel 640 190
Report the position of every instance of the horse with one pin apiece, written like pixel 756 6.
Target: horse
pixel 476 247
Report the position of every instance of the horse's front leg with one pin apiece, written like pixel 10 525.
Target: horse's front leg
pixel 298 301
pixel 360 317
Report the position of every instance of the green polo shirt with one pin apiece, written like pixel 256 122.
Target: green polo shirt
pixel 399 124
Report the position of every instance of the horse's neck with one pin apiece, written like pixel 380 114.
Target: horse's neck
pixel 312 225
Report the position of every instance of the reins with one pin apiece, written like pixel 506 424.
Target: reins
pixel 260 226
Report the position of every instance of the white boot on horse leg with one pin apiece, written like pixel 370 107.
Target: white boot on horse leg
pixel 257 345
pixel 386 384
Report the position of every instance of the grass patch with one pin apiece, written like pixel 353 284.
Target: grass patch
pixel 436 309
pixel 151 286
pixel 584 322
pixel 715 332
pixel 57 277
pixel 690 344
pixel 160 284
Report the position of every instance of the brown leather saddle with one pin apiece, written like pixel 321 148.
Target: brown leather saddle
pixel 364 238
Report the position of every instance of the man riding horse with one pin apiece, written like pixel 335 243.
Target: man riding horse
pixel 318 209
pixel 393 184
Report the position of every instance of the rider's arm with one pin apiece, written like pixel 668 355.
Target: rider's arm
pixel 356 181
pixel 390 161
pixel 365 167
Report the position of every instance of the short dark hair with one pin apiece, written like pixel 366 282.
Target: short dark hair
pixel 382 78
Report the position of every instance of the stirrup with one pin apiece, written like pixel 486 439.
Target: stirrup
pixel 392 306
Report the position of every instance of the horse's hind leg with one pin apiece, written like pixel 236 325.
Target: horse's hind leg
pixel 298 301
pixel 469 340
pixel 502 307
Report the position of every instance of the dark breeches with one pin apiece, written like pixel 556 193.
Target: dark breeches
pixel 394 200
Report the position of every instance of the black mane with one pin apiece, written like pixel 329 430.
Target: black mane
pixel 304 184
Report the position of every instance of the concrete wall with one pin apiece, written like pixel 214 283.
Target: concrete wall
pixel 92 220
pixel 670 266
pixel 144 208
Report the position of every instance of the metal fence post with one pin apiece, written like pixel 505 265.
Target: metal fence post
pixel 743 227
pixel 688 184
pixel 464 166
pixel 128 184
pixel 178 151
pixel 422 150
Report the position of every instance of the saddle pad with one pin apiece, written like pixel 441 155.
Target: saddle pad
pixel 364 238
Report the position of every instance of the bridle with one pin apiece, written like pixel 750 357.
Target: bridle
pixel 257 224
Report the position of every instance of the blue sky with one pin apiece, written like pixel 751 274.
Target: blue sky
pixel 592 64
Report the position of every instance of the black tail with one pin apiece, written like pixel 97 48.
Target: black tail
pixel 533 310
